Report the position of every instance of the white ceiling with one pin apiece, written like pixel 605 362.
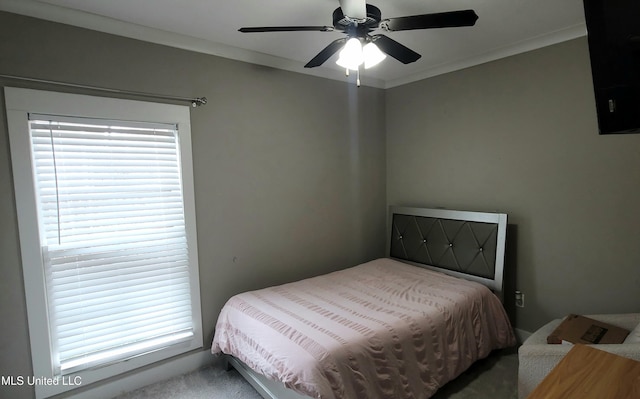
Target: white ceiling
pixel 504 27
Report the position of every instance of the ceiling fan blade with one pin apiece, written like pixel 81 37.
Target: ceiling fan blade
pixel 395 49
pixel 355 9
pixel 326 53
pixel 259 29
pixel 428 21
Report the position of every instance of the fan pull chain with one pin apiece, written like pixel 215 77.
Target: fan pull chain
pixel 346 73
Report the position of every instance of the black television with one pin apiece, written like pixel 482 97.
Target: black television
pixel 613 28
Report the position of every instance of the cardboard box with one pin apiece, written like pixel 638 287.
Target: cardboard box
pixel 577 329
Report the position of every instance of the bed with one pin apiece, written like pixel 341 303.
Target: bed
pixel 395 327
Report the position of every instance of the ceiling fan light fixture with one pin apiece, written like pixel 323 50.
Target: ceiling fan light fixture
pixel 351 56
pixel 357 20
pixel 372 55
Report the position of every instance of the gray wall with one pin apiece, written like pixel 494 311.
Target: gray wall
pixel 519 135
pixel 289 169
pixel 291 179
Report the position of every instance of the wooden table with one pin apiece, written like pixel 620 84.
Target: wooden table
pixel 589 373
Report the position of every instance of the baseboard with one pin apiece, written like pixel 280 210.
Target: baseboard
pixel 148 375
pixel 521 335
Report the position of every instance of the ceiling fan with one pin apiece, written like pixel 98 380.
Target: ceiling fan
pixel 357 20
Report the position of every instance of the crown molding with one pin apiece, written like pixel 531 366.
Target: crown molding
pixel 559 36
pixel 103 24
pixel 112 26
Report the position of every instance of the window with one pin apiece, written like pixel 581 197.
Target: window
pixel 107 230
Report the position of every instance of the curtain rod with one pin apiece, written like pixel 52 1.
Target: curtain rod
pixel 195 102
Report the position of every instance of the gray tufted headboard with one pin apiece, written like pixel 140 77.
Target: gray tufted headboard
pixel 464 244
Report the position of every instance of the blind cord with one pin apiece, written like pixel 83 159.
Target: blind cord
pixel 55 173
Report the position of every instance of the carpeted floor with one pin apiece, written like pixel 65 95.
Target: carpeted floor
pixel 209 383
pixel 495 377
pixel 492 378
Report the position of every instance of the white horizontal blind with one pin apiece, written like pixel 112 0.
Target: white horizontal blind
pixel 113 238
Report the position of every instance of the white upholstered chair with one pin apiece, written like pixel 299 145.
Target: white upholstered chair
pixel 537 358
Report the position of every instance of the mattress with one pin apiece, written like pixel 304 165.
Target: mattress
pixel 383 329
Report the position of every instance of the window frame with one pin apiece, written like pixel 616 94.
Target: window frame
pixel 19 103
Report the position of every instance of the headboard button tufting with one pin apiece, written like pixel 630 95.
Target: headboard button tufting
pixel 465 244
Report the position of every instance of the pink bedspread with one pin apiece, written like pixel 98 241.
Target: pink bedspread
pixel 383 329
